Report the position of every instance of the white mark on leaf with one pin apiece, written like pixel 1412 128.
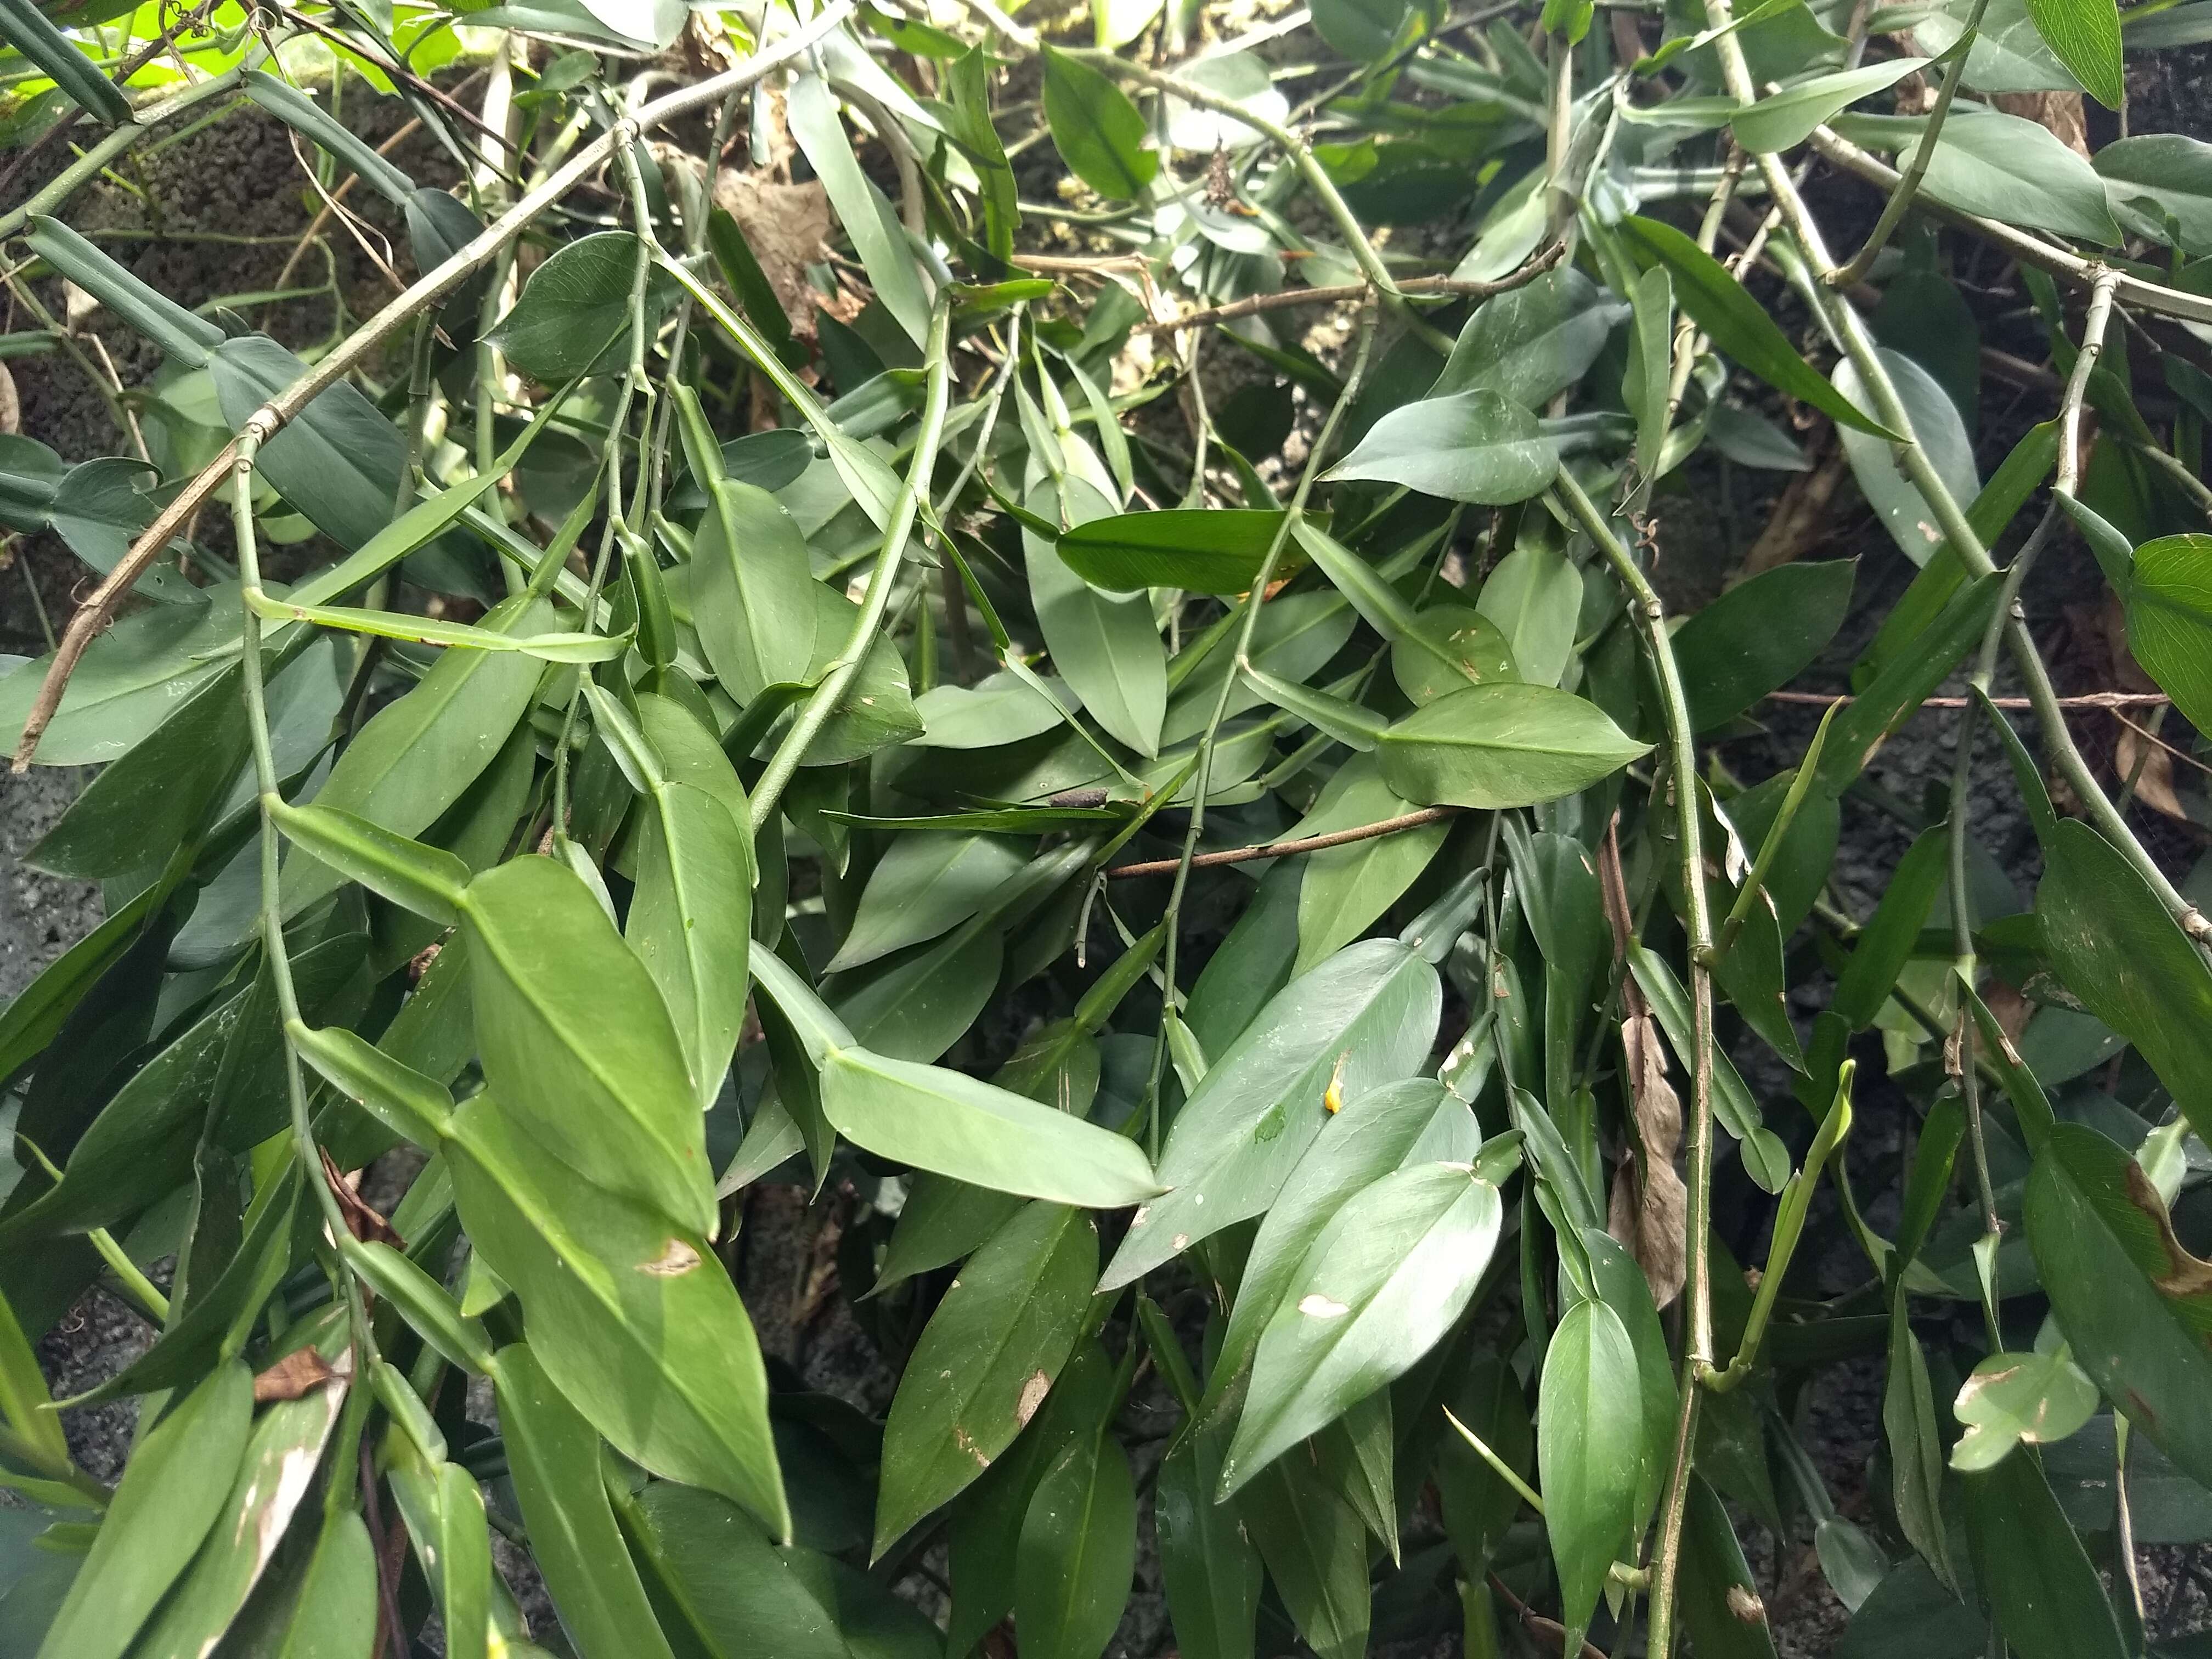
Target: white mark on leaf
pixel 1318 1306
pixel 677 1259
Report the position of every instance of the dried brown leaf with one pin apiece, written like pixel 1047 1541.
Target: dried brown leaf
pixel 1649 1204
pixel 296 1374
pixel 362 1222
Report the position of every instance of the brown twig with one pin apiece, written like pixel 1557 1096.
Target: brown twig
pixel 1276 849
pixel 390 1558
pixel 399 72
pixel 426 290
pixel 1253 305
pixel 331 203
pixel 1536 1624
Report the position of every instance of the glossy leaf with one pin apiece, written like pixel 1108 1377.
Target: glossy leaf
pixel 1588 1450
pixel 1077 1555
pixel 1472 445
pixel 1363 1019
pixel 1759 636
pixel 2085 36
pixel 1739 328
pixel 1502 745
pixel 1784 120
pixel 606 1092
pixel 2045 1596
pixel 2170 620
pixel 634 1321
pixel 1531 343
pixel 752 591
pixel 1380 1286
pixel 985 1362
pixel 956 1125
pixel 553 1458
pixel 174 1491
pixel 1216 551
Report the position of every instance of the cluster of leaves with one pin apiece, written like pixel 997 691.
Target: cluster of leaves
pixel 780 783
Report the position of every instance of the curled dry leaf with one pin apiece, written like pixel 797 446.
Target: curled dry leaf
pixel 785 226
pixel 364 1222
pixel 297 1374
pixel 1649 1198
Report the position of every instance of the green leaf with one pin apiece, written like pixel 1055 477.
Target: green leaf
pixel 577 1043
pixel 2085 36
pixel 1535 596
pixel 1766 1160
pixel 1590 1452
pixel 55 54
pixel 174 1488
pixel 1943 438
pixel 272 1479
pixel 417 1108
pixel 634 1321
pixel 934 1119
pixel 2156 177
pixel 2002 167
pixel 1209 1566
pixel 2047 1598
pixel 2170 620
pixel 1315 1546
pixel 553 1458
pixel 1077 1559
pixel 143 807
pixel 568 648
pixel 1887 943
pixel 421 1302
pixel 2134 1304
pixel 746 1598
pixel 1740 328
pixel 419 754
pixel 2014 1397
pixel 756 614
pixel 1784 120
pixel 1722 1610
pixel 427 880
pixel 1357 728
pixel 861 209
pixel 1623 1287
pixel 318 126
pixel 1215 550
pixel 1468 446
pixel 1346 888
pixel 1916 1446
pixel 1909 678
pixel 1503 746
pixel 1531 343
pixel 927 883
pixel 1381 1285
pixel 574 315
pixel 1096 128
pixel 339 461
pixel 1447 647
pixel 1364 1017
pixel 338 1594
pixel 985 1362
pixel 184 336
pixel 1107 649
pixel 1478 1504
pixel 2116 948
pixel 967 80
pixel 129 679
pixel 1759 636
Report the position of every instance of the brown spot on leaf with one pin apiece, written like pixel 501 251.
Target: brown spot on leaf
pixel 966 1442
pixel 2184 1275
pixel 677 1259
pixel 1745 1605
pixel 1032 1395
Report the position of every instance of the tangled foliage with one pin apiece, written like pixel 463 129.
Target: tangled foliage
pixel 766 691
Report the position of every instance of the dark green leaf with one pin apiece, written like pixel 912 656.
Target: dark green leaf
pixel 1589 1450
pixel 2048 1600
pixel 1759 636
pixel 1531 343
pixel 1740 329
pixel 574 316
pixel 1077 1555
pixel 1214 551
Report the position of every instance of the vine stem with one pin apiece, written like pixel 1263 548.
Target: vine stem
pixel 1203 778
pixel 2061 262
pixel 426 289
pixel 876 605
pixel 2094 325
pixel 1900 200
pixel 1281 849
pixel 304 1147
pixel 1850 329
pixel 1452 288
pixel 1698 1350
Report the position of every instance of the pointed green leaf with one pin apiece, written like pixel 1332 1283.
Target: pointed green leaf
pixel 1468 446
pixel 1590 1444
pixel 1096 128
pixel 1504 745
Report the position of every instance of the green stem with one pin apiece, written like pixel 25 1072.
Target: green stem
pixel 822 702
pixel 1900 200
pixel 1800 786
pixel 1698 1350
